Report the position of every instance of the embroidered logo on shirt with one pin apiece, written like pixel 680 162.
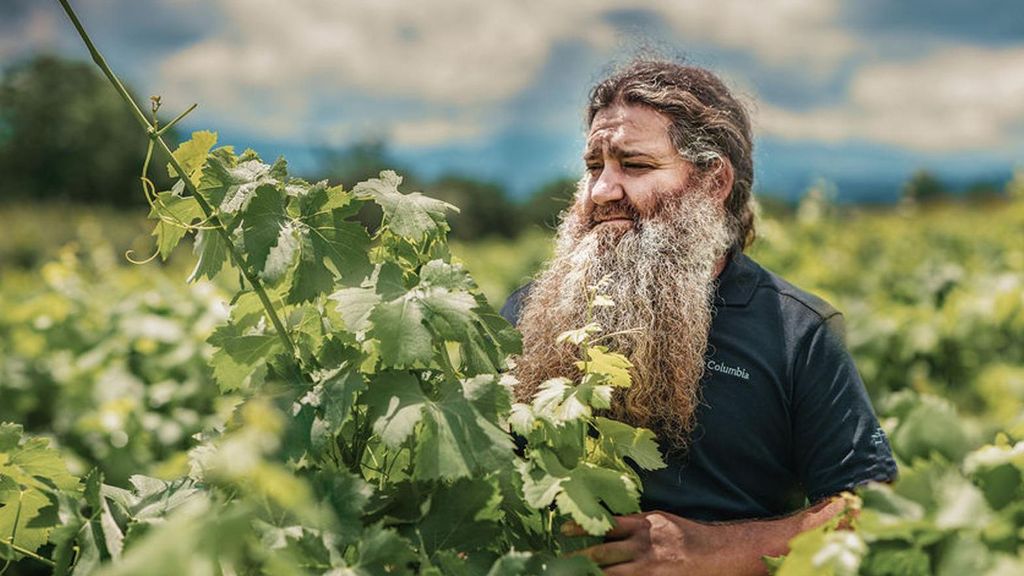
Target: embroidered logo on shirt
pixel 878 437
pixel 730 370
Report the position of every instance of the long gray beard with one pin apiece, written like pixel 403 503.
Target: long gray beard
pixel 663 283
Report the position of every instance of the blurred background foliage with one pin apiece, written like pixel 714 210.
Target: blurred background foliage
pixel 64 134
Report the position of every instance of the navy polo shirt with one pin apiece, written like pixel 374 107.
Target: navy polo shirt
pixel 784 418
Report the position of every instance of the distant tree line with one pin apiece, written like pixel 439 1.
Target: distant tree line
pixel 64 134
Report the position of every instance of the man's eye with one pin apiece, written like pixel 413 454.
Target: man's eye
pixel 636 166
pixel 594 167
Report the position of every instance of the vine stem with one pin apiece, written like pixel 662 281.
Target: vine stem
pixel 208 210
pixel 31 554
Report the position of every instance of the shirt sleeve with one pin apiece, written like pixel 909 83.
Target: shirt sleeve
pixel 514 305
pixel 837 441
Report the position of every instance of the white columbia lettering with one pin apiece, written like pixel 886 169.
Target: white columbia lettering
pixel 730 370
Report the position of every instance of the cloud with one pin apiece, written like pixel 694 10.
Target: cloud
pixel 992 22
pixel 431 132
pixel 958 98
pixel 782 33
pixel 24 29
pixel 457 53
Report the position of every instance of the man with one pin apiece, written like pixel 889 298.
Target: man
pixel 744 377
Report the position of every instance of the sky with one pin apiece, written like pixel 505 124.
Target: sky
pixel 858 93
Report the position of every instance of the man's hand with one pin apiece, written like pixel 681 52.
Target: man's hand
pixel 655 543
pixel 658 543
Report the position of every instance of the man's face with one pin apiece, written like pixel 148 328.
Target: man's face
pixel 631 163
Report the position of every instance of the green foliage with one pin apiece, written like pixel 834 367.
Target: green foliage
pixel 574 459
pixel 547 202
pixel 31 474
pixel 960 516
pixel 924 187
pixel 367 431
pixel 110 363
pixel 64 134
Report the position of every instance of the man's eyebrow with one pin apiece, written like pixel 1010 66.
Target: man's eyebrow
pixel 594 153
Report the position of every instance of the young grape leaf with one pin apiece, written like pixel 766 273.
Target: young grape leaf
pixel 347 495
pixel 339 389
pixel 445 275
pixel 382 552
pixel 389 280
pixel 413 216
pixel 614 366
pixel 212 251
pixel 311 277
pixel 30 471
pixel 355 305
pixel 263 219
pixel 457 440
pixel 404 341
pixel 490 394
pixel 244 180
pixel 621 440
pixel 215 177
pixel 175 213
pixel 580 491
pixel 557 402
pixel 191 155
pixel 395 402
pixel 241 359
pixel 587 487
pixel 325 210
pixel 72 543
pixel 282 254
pixel 104 528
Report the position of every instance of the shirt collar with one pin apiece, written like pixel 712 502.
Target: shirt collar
pixel 737 282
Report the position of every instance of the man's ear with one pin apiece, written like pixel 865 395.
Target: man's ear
pixel 722 177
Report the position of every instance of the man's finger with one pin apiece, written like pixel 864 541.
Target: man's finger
pixel 571 528
pixel 609 553
pixel 625 569
pixel 626 526
pixel 623 527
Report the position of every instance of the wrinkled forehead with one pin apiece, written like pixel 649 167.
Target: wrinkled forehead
pixel 621 128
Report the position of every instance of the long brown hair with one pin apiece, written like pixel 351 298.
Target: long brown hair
pixel 707 124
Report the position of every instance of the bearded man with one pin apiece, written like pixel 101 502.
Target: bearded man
pixel 745 378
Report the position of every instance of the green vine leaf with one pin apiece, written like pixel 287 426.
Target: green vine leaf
pixel 458 440
pixel 413 216
pixel 395 402
pixel 263 220
pixel 463 517
pixel 191 155
pixel 241 359
pixel 212 251
pixel 403 340
pixel 174 214
pixel 30 472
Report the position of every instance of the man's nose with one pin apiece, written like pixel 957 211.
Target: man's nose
pixel 607 188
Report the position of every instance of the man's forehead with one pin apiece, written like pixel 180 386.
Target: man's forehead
pixel 623 130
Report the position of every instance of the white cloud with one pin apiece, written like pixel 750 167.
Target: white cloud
pixel 786 33
pixel 958 98
pixel 463 54
pixel 435 131
pixel 38 31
